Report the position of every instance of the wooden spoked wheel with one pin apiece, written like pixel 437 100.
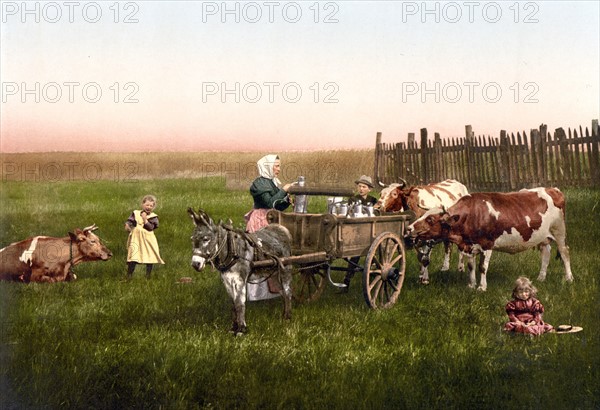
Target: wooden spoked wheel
pixel 384 270
pixel 308 285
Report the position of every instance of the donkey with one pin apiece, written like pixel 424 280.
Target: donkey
pixel 232 251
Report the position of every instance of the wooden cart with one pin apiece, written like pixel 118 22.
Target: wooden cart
pixel 320 239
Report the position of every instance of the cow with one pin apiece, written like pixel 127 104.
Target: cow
pixel 49 259
pixel 403 197
pixel 509 222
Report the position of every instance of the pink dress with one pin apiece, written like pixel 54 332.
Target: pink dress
pixel 526 311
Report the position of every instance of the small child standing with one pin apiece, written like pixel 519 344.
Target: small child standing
pixel 142 246
pixel 525 311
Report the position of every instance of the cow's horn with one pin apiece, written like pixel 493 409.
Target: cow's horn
pixel 381 184
pixel 403 182
pixel 90 228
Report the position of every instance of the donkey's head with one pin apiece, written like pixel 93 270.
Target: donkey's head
pixel 204 238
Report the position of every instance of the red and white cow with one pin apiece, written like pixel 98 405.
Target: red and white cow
pixel 403 197
pixel 507 222
pixel 47 259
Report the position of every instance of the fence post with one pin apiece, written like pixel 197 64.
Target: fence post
pixel 548 163
pixel 505 161
pixel 377 154
pixel 424 158
pixel 595 159
pixel 438 163
pixel 468 157
pixel 536 157
pixel 565 164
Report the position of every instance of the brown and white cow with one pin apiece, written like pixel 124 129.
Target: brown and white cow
pixel 403 197
pixel 507 222
pixel 48 259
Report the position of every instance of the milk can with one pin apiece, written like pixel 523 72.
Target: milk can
pixel 370 210
pixel 301 200
pixel 357 212
pixel 343 209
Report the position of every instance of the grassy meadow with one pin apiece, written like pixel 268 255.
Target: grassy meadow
pixel 102 343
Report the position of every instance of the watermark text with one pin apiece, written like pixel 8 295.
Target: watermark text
pixel 470 11
pixel 69 11
pixel 269 12
pixel 470 91
pixel 271 92
pixel 69 171
pixel 69 91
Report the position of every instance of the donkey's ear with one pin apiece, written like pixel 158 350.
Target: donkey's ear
pixel 207 220
pixel 193 215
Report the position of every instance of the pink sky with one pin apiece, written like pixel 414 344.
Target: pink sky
pixel 169 81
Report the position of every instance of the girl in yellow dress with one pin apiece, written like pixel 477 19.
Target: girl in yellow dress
pixel 142 246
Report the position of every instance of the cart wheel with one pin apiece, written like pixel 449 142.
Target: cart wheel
pixel 383 274
pixel 308 285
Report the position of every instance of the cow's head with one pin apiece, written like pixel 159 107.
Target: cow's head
pixel 204 238
pixel 432 225
pixel 393 197
pixel 89 244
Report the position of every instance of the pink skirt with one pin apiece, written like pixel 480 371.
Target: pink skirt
pixel 256 219
pixel 536 329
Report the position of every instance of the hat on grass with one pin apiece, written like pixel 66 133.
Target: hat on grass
pixel 364 180
pixel 568 329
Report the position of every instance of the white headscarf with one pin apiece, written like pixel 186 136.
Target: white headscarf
pixel 265 167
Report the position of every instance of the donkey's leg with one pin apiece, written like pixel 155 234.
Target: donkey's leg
pixel 286 292
pixel 236 288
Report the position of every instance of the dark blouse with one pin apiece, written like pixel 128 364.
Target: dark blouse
pixel 267 195
pixel 151 225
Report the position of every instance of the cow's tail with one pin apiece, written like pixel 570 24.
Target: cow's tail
pixel 557 254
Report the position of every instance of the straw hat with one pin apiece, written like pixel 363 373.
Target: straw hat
pixel 365 180
pixel 568 329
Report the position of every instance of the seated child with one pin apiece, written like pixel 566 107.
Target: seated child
pixel 525 311
pixel 363 187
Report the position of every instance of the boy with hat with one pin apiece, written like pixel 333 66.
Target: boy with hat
pixel 363 188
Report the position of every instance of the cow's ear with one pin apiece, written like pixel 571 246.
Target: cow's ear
pixel 450 219
pixel 76 236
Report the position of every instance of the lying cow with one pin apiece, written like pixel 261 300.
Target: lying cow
pixel 47 259
pixel 508 222
pixel 404 197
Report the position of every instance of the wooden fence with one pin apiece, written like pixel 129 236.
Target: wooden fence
pixel 507 163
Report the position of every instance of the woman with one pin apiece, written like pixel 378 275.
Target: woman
pixel 268 194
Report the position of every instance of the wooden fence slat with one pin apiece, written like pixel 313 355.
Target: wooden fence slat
pixel 595 155
pixel 509 162
pixel 577 159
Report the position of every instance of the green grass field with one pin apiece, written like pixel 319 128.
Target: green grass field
pixel 101 343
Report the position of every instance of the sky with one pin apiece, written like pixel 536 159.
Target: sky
pixel 283 75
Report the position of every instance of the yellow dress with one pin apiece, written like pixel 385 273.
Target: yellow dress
pixel 142 246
